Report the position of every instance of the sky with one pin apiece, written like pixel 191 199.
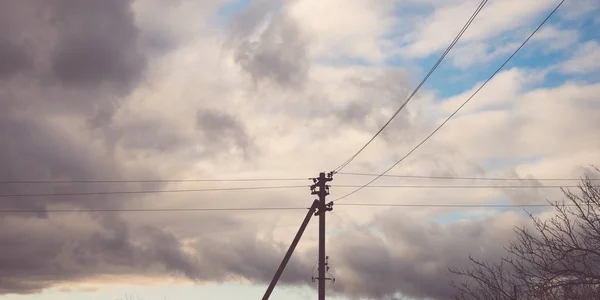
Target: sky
pixel 160 90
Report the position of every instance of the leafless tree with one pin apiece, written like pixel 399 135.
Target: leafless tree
pixel 555 258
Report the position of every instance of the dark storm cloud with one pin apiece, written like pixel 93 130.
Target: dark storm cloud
pixel 13 59
pixel 51 254
pixel 408 257
pixel 33 261
pixel 15 47
pixel 77 57
pixel 242 255
pixel 277 53
pixel 73 42
pixel 76 60
pixel 97 43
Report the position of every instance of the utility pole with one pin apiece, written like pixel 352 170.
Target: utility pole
pixel 322 192
pixel 318 208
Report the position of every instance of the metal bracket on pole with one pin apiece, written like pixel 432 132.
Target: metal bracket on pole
pixel 326 271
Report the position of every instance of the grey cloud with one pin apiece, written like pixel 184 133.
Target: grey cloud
pixel 148 134
pixel 406 257
pixel 13 59
pixel 56 255
pixel 157 43
pixel 243 255
pixel 78 60
pixel 35 257
pixel 278 53
pixel 384 91
pixel 40 151
pixel 97 43
pixel 15 45
pixel 33 261
pixel 375 96
pixel 524 195
pixel 244 23
pixel 221 130
pixel 80 57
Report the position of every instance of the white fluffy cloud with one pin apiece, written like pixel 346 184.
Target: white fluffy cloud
pixel 438 29
pixel 585 60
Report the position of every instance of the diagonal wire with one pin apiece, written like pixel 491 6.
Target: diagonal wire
pixel 439 61
pixel 461 106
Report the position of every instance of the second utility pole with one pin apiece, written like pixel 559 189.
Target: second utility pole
pixel 323 191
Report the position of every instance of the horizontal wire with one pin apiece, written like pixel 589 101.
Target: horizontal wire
pixel 462 178
pixel 278 208
pixel 157 191
pixel 447 205
pixel 459 186
pixel 285 187
pixel 154 210
pixel 153 180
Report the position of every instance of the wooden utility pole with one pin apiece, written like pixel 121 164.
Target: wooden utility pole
pixel 318 208
pixel 323 191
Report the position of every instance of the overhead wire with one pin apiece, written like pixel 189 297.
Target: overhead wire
pixel 462 178
pixel 448 205
pixel 154 191
pixel 439 61
pixel 153 210
pixel 461 106
pixel 153 180
pixel 256 209
pixel 282 187
pixel 457 186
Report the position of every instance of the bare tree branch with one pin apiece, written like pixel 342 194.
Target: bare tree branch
pixel 557 258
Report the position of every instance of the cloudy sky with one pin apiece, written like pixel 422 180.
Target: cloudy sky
pixel 162 90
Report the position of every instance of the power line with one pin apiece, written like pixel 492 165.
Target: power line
pixel 153 210
pixel 285 187
pixel 463 178
pixel 461 106
pixel 439 61
pixel 255 209
pixel 449 205
pixel 156 191
pixel 152 180
pixel 459 186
